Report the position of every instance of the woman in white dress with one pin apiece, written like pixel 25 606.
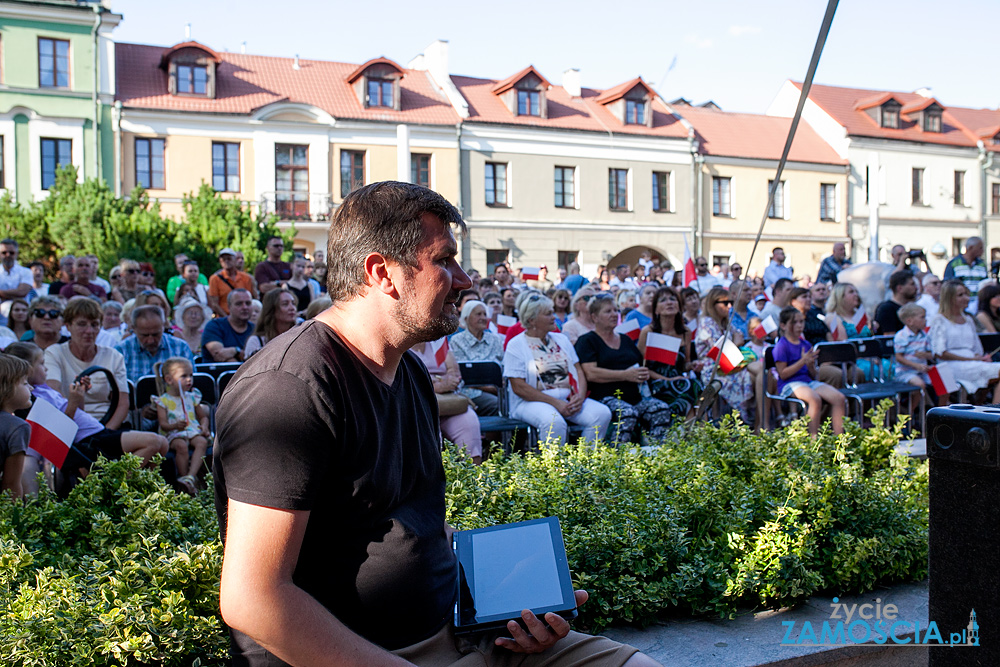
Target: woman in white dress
pixel 956 344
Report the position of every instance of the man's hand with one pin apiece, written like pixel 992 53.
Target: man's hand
pixel 541 638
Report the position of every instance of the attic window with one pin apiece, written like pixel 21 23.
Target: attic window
pixel 192 79
pixel 932 121
pixel 380 93
pixel 529 103
pixel 635 112
pixel 890 115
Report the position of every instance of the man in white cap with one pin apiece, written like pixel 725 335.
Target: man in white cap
pixel 225 280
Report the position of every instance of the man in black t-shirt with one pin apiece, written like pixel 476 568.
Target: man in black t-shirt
pixel 904 290
pixel 272 272
pixel 329 482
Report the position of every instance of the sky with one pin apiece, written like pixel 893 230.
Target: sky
pixel 736 53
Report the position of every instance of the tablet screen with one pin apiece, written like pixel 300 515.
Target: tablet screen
pixel 515 569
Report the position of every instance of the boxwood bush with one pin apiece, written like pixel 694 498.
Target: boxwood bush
pixel 125 571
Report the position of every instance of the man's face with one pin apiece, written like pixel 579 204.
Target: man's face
pixel 933 287
pixel 779 255
pixel 8 253
pixel 149 332
pixel 240 261
pixel 839 252
pixel 310 268
pixel 975 250
pixel 426 307
pixel 228 262
pixel 897 251
pixel 820 293
pixel 81 270
pixel 781 295
pixel 191 273
pixel 562 274
pixel 622 272
pixel 274 249
pixel 735 271
pixel 908 290
pixel 543 273
pixel 179 262
pixel 241 307
pixel 38 273
pixel 701 265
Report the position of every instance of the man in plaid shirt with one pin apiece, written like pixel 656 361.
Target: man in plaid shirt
pixel 149 345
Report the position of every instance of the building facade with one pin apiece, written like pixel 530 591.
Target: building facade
pixel 57 87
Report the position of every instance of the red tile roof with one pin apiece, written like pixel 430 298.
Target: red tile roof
pixel 564 112
pixel 187 45
pixel 842 104
pixel 246 83
pixel 727 134
pixel 874 101
pixel 511 80
pixel 983 123
pixel 619 91
pixel 920 104
pixel 356 74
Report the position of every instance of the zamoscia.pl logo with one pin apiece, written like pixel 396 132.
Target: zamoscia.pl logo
pixel 851 624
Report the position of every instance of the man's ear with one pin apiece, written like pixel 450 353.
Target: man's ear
pixel 379 274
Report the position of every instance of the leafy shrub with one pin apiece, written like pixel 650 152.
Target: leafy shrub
pixel 125 571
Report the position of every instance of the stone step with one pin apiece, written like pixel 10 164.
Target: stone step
pixel 756 638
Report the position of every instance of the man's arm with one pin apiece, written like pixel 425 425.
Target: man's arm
pixel 220 353
pixel 257 595
pixel 19 291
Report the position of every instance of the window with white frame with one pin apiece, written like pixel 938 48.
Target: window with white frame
pixel 496 184
pixel 618 189
pixel 55 153
pixel 777 209
pixel 661 191
pixel 722 195
pixel 565 187
pixel 959 188
pixel 827 201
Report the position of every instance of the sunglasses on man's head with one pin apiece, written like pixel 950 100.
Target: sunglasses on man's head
pixel 46 314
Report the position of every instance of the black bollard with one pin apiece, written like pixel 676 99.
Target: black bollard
pixel 963 446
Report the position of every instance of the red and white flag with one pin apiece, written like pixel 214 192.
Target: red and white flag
pixel 505 322
pixel 52 432
pixel 765 328
pixel 943 380
pixel 728 355
pixel 832 323
pixel 662 348
pixel 860 319
pixel 630 328
pixel 690 275
pixel 440 348
pixel 529 273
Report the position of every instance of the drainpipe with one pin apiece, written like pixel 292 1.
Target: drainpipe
pixel 94 96
pixel 466 240
pixel 985 164
pixel 116 115
pixel 697 160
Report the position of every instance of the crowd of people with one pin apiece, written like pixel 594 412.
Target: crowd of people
pixel 574 351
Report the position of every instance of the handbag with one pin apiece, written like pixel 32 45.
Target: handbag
pixel 452 403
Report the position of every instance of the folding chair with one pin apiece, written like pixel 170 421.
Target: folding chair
pixel 768 396
pixel 990 341
pixel 217 368
pixel 846 354
pixel 205 383
pixel 888 351
pixel 223 381
pixel 489 373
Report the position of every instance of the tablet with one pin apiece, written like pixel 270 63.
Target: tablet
pixel 508 568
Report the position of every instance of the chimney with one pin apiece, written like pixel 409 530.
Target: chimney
pixel 571 82
pixel 295 65
pixel 924 92
pixel 187 32
pixel 436 60
pixel 243 48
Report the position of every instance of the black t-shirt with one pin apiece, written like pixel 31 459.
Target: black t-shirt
pixel 220 330
pixel 887 316
pixel 303 295
pixel 815 329
pixel 590 347
pixel 305 426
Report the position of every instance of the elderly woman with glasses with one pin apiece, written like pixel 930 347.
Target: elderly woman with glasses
pixel 737 386
pixel 548 387
pixel 46 317
pixel 475 342
pixel 617 375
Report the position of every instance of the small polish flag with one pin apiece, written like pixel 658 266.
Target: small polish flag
pixel 662 348
pixel 730 356
pixel 927 329
pixel 505 322
pixel 52 432
pixel 860 319
pixel 832 322
pixel 529 273
pixel 943 380
pixel 630 328
pixel 574 387
pixel 690 275
pixel 765 328
pixel 440 347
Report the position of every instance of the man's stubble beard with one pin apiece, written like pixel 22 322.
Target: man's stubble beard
pixel 424 330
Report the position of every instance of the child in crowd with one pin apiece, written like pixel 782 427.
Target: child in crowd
pixel 183 419
pixel 754 343
pixel 91 437
pixel 15 394
pixel 913 349
pixel 795 361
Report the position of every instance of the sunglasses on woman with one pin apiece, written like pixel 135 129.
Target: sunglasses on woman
pixel 46 314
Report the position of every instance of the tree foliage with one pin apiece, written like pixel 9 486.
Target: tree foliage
pixel 87 218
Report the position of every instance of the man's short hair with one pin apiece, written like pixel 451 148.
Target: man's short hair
pixel 381 218
pixel 899 279
pixel 81 306
pixel 148 311
pixel 776 249
pixel 910 310
pixel 9 241
pixel 780 284
pixel 235 293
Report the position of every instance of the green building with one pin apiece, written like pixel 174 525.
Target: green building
pixel 57 84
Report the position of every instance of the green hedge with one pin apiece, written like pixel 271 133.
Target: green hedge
pixel 719 519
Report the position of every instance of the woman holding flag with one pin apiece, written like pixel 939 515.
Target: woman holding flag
pixel 737 381
pixel 616 374
pixel 847 319
pixel 956 344
pixel 669 359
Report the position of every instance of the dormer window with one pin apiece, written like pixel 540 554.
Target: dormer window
pixel 529 103
pixel 380 93
pixel 524 93
pixel 376 83
pixel 191 69
pixel 932 121
pixel 635 112
pixel 192 79
pixel 890 116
